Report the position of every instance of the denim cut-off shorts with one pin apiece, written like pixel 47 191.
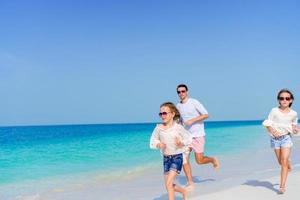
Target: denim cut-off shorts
pixel 173 162
pixel 281 142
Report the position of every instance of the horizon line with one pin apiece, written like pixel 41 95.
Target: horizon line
pixel 120 123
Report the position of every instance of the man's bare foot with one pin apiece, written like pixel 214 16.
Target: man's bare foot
pixel 216 164
pixel 189 187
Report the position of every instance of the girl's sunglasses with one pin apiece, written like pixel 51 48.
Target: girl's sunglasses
pixel 284 98
pixel 162 113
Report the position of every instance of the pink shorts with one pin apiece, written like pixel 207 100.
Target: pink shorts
pixel 198 144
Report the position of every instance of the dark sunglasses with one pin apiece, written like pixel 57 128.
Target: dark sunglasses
pixel 284 98
pixel 181 91
pixel 162 113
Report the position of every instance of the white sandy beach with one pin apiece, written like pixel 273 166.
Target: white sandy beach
pixel 258 185
pixel 258 189
pixel 251 188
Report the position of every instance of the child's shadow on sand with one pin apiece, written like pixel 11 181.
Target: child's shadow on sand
pixel 257 183
pixel 182 180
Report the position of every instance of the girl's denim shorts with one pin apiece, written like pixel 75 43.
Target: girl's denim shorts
pixel 281 142
pixel 173 162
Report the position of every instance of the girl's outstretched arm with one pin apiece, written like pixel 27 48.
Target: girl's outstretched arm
pixel 154 140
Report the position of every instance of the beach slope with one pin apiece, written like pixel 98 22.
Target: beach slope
pixel 263 189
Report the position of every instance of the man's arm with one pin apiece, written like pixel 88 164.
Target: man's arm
pixel 203 114
pixel 197 119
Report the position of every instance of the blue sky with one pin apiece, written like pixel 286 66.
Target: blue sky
pixel 78 62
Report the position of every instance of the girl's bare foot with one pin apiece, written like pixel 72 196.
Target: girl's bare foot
pixel 184 194
pixel 281 190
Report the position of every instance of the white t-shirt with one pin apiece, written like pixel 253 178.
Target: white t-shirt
pixel 280 121
pixel 168 137
pixel 190 109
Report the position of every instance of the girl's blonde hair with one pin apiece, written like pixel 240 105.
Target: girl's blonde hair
pixel 173 108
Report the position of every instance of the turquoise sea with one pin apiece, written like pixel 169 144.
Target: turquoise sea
pixel 34 154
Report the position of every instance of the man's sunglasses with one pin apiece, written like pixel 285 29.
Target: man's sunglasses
pixel 181 91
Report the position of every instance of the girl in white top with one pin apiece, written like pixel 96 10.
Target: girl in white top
pixel 172 139
pixel 281 123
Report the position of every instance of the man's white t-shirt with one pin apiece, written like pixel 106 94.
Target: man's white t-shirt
pixel 190 109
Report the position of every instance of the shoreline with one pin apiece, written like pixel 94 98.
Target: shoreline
pixel 239 170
